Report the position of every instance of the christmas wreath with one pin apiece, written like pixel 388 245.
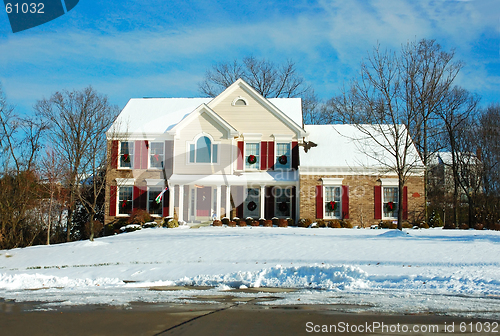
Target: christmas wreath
pixel 252 159
pixel 126 158
pixel 283 207
pixel 157 157
pixel 283 159
pixel 252 206
pixel 331 206
pixel 389 206
pixel 124 204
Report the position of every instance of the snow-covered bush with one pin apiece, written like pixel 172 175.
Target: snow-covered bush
pixel 304 222
pixel 216 223
pixel 321 223
pixel 149 225
pixel 236 220
pixel 249 220
pixel 275 221
pixel 130 228
pixel 170 222
pixel 290 222
pixel 435 219
pixel 225 220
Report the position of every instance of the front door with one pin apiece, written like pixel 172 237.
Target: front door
pixel 203 201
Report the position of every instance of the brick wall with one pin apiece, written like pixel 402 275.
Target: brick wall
pixel 361 202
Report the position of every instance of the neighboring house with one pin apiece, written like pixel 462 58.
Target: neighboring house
pixel 237 155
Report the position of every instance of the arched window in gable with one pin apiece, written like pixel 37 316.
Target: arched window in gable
pixel 203 151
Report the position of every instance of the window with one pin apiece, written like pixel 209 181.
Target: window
pixel 203 151
pixel 252 156
pixel 283 157
pixel 390 202
pixel 156 155
pixel 333 206
pixel 252 203
pixel 282 202
pixel 125 200
pixel 126 154
pixel 153 207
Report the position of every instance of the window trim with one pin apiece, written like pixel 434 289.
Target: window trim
pixel 383 202
pixel 118 214
pixel 388 183
pixel 289 157
pixel 193 142
pixel 290 198
pixel 119 166
pixel 259 158
pixel 161 205
pixel 149 155
pixel 330 185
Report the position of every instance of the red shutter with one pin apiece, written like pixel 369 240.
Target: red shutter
pixel 269 203
pixel 270 155
pixel 319 202
pixel 345 202
pixel 114 154
pixel 377 196
pixel 263 155
pixel 137 155
pixel 144 154
pixel 405 203
pixel 241 147
pixel 112 200
pixel 136 197
pixel 166 203
pixel 295 155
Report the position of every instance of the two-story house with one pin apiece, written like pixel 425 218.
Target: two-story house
pixel 237 155
pixel 234 155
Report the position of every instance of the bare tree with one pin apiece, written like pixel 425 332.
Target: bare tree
pixel 379 106
pixel 79 120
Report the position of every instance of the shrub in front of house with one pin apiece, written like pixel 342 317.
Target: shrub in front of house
pixel 406 225
pixel 225 221
pixel 170 222
pixel 268 223
pixel 478 226
pixel 242 223
pixel 435 219
pixel 148 225
pixel 236 220
pixel 321 223
pixel 423 225
pixel 449 226
pixel 139 216
pixel 290 222
pixel 304 222
pixel 282 222
pixel 130 228
pixel 496 227
pixel 232 224
pixel 255 223
pixel 464 226
pixel 275 221
pixel 262 221
pixel 249 220
pixel 393 226
pixel 217 223
pixel 109 229
pixel 334 224
pixel 346 224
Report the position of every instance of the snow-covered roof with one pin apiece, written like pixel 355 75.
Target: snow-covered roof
pixel 346 148
pixel 159 115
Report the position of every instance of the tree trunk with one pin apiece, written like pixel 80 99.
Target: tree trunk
pixel 401 186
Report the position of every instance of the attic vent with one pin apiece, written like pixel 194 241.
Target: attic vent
pixel 239 101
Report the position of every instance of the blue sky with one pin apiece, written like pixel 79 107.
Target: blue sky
pixel 159 48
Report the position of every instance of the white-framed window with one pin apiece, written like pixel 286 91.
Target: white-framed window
pixel 332 201
pixel 126 154
pixel 156 155
pixel 283 157
pixel 203 150
pixel 282 202
pixel 252 155
pixel 125 200
pixel 155 209
pixel 390 197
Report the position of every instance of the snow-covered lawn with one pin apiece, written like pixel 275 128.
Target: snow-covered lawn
pixel 444 271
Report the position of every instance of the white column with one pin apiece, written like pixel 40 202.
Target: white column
pixel 181 202
pixel 219 201
pixel 262 201
pixel 171 200
pixel 228 202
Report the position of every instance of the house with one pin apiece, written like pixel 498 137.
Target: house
pixel 238 155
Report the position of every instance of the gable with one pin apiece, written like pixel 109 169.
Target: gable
pixel 257 115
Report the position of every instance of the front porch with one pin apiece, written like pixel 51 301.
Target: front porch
pixel 198 199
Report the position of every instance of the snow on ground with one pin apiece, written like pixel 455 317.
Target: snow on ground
pixel 444 271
